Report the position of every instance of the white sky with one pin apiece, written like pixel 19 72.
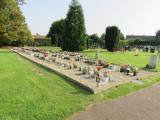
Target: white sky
pixel 136 17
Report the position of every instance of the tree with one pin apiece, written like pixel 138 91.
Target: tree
pixel 158 33
pixel 94 39
pixel 102 39
pixel 56 32
pixel 12 23
pixel 112 38
pixel 75 32
pixel 21 2
pixel 121 36
pixel 88 43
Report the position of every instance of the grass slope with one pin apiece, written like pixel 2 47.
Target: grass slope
pixel 31 92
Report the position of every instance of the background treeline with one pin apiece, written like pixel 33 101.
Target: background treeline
pixel 70 33
pixel 142 42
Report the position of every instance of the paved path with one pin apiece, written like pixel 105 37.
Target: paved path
pixel 142 105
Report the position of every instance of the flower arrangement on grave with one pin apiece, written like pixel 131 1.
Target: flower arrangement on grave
pixel 74 64
pixel 97 75
pixel 84 71
pixel 36 55
pixel 90 61
pixel 123 67
pixel 70 64
pixel 77 57
pixel 41 56
pixel 126 68
pixel 134 70
pixel 106 74
pixel 103 63
pixel 45 54
pixel 66 57
pixel 80 68
pixel 99 68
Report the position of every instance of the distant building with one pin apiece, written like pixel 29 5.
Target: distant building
pixel 41 40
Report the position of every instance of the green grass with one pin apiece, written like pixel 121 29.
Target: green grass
pixel 125 58
pixel 31 92
pixel 117 58
pixel 50 48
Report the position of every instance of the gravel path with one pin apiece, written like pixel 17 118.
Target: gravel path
pixel 142 105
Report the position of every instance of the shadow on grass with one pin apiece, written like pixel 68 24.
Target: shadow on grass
pixel 79 88
pixel 149 70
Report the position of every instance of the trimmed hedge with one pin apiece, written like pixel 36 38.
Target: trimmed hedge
pixel 154 42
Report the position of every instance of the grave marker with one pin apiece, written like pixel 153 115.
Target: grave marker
pixel 153 60
pixel 97 54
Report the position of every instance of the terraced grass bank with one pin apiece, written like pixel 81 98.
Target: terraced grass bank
pixel 31 92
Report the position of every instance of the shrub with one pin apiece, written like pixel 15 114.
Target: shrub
pixel 112 38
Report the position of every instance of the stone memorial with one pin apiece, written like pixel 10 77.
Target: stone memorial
pixel 153 60
pixel 97 54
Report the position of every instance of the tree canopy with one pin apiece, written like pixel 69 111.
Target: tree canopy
pixel 75 32
pixel 112 38
pixel 121 36
pixel 12 24
pixel 94 38
pixel 56 32
pixel 158 33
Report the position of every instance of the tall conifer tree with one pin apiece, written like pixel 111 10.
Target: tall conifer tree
pixel 75 32
pixel 112 38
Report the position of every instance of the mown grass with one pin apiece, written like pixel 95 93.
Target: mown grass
pixel 117 58
pixel 50 48
pixel 31 92
pixel 128 57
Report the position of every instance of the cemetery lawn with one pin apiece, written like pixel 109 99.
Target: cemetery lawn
pixel 50 48
pixel 125 58
pixel 31 92
pixel 117 58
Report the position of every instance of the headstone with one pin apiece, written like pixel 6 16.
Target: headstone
pixel 136 52
pixel 97 54
pixel 147 49
pixel 153 60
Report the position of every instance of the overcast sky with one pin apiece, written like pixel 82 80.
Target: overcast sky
pixel 134 17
